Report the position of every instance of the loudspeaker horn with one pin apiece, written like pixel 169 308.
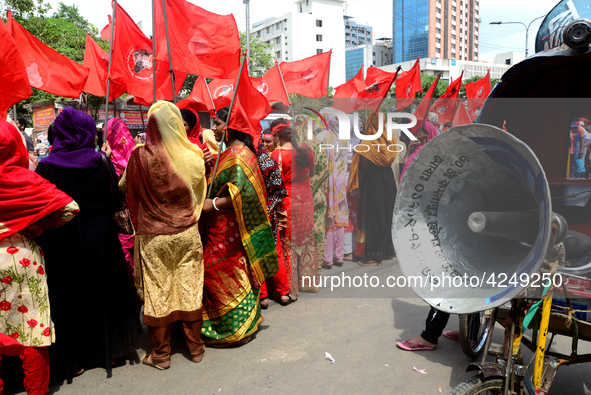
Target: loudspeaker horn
pixel 473 219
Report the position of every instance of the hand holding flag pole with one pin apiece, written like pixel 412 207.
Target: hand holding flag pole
pixel 217 161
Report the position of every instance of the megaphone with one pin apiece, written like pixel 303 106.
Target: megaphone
pixel 473 219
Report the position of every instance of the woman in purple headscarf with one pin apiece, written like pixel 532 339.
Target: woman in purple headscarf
pixel 92 307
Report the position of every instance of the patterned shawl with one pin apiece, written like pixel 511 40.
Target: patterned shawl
pixel 238 171
pixel 26 196
pixel 121 142
pixel 165 177
pixel 376 151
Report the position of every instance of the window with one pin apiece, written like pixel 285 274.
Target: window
pixel 278 54
pixel 438 20
pixel 438 41
pixel 319 37
pixel 259 34
pixel 373 53
pixel 318 23
pixel 269 29
pixel 277 40
pixel 438 31
pixel 318 51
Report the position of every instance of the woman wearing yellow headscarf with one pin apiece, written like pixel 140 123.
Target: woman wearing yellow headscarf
pixel 372 182
pixel 165 184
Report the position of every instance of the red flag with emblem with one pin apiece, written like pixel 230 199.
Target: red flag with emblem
pixel 445 105
pixel 132 62
pixel 199 99
pixel 477 92
pixel 423 109
pixel 377 86
pixel 271 86
pixel 461 116
pixel 15 85
pixel 407 85
pixel 97 61
pixel 221 90
pixel 307 77
pixel 47 69
pixel 250 107
pixel 201 42
pixel 346 95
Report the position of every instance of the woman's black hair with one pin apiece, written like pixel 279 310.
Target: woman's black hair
pixel 286 134
pixel 50 134
pixel 189 117
pixel 241 136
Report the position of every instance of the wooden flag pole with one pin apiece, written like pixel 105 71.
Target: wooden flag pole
pixel 169 54
pixel 109 71
pixel 153 53
pixel 217 161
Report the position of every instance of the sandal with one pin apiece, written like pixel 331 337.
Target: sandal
pixel 264 303
pixel 338 263
pixel 412 346
pixel 284 302
pixel 453 335
pixel 327 265
pixel 348 257
pixel 149 360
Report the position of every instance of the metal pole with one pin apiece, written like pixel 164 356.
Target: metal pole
pixel 217 161
pixel 142 115
pixel 526 33
pixel 328 82
pixel 209 93
pixel 285 88
pixel 109 71
pixel 247 4
pixel 14 113
pixel 169 54
pixel 153 52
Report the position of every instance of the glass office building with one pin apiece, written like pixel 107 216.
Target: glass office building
pixel 410 29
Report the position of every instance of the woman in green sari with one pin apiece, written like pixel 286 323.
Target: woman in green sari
pixel 239 248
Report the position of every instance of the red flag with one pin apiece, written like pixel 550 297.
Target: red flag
pixel 48 70
pixel 200 98
pixel 132 62
pixel 423 109
pixel 357 93
pixel 477 92
pixel 13 73
pixel 201 42
pixel 377 86
pixel 271 86
pixel 346 95
pixel 97 61
pixel 250 107
pixel 307 77
pixel 461 116
pixel 407 85
pixel 445 105
pixel 221 92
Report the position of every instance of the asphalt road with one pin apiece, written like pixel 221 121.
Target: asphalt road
pixel 357 326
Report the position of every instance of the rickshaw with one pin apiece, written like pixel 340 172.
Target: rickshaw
pixel 510 195
pixel 536 101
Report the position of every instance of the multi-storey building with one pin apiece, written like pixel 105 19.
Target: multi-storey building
pixel 313 27
pixel 356 34
pixel 444 29
pixel 379 54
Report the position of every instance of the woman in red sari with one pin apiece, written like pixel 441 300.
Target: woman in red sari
pixel 296 162
pixel 239 250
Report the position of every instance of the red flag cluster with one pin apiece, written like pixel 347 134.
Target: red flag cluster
pixel 446 104
pixel 361 93
pixel 477 92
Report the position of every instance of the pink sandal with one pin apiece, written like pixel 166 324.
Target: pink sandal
pixel 412 346
pixel 453 335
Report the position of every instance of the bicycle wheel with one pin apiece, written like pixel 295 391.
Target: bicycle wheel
pixel 479 385
pixel 474 330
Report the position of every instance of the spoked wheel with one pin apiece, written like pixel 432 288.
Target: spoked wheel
pixel 474 330
pixel 479 385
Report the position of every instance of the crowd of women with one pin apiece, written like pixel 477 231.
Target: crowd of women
pixel 158 224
